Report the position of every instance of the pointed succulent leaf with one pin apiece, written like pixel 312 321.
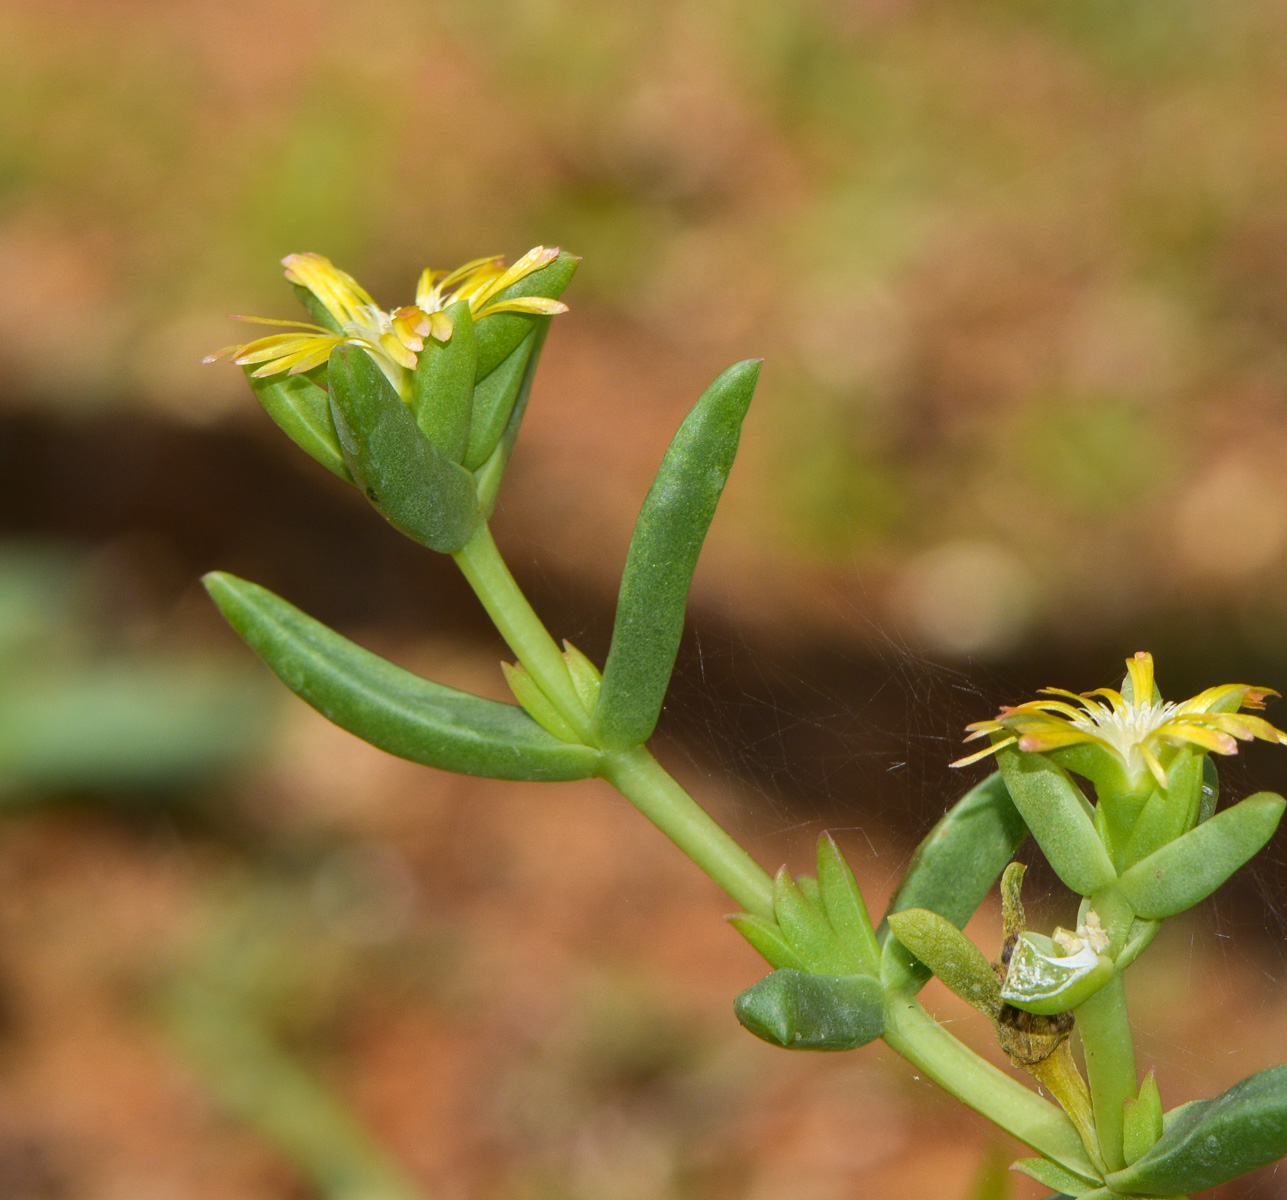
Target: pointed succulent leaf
pixel 415 488
pixel 806 928
pixel 535 703
pixel 1189 869
pixel 389 707
pixel 442 387
pixel 488 476
pixel 954 868
pixel 812 892
pixel 845 908
pixel 500 333
pixel 663 552
pixel 585 675
pixel 494 397
pixel 1142 1126
pixel 1055 1176
pixel 947 952
pixel 301 409
pixel 1041 980
pixel 1059 816
pixel 813 1012
pixel 768 940
pixel 1211 1141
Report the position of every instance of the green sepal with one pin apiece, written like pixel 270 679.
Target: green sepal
pixel 1041 980
pixel 953 868
pixel 301 409
pixel 585 676
pixel 846 911
pixel 442 386
pixel 498 334
pixel 1170 811
pixel 493 399
pixel 1060 820
pixel 419 492
pixel 535 703
pixel 1209 1142
pixel 663 553
pixel 956 960
pixel 806 929
pixel 1142 1124
pixel 389 707
pixel 488 477
pixel 1189 869
pixel 1054 1176
pixel 765 936
pixel 316 309
pixel 813 1012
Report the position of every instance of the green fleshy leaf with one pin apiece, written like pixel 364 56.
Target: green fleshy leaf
pixel 841 900
pixel 1142 1125
pixel 663 553
pixel 813 1012
pixel 585 676
pixel 956 960
pixel 389 707
pixel 535 702
pixel 806 928
pixel 418 491
pixel 488 477
pixel 1055 1176
pixel 768 940
pixel 302 411
pixel 442 387
pixel 1189 869
pixel 953 868
pixel 1059 816
pixel 812 892
pixel 1212 1141
pixel 960 859
pixel 494 397
pixel 498 335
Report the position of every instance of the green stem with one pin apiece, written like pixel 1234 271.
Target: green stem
pixel 911 1032
pixel 646 784
pixel 1105 1030
pixel 909 1029
pixel 481 564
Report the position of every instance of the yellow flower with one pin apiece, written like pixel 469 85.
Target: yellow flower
pixel 1131 731
pixel 393 338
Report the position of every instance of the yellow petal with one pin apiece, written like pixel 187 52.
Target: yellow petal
pixel 982 754
pixel 341 295
pixel 526 304
pixel 1140 669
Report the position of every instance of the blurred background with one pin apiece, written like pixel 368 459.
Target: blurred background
pixel 1018 271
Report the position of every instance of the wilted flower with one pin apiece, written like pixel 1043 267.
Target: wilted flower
pixel 1132 731
pixel 393 338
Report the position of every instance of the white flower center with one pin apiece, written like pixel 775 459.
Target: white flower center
pixel 1126 730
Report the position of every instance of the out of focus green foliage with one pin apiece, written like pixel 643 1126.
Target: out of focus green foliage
pixel 80 716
